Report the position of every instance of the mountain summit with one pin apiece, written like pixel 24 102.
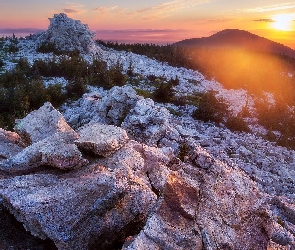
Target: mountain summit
pixel 239 39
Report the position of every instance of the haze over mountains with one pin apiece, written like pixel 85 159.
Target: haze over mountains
pixel 240 39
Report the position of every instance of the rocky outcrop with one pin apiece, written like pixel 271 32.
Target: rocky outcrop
pixel 101 139
pixel 79 210
pixel 67 34
pixel 116 105
pixel 109 107
pixel 136 196
pixel 42 123
pixel 201 209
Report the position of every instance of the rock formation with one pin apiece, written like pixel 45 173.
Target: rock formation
pixel 121 192
pixel 67 34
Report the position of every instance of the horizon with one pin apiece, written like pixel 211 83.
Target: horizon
pixel 158 21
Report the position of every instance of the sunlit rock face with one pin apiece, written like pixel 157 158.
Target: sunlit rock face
pixel 67 34
pixel 10 144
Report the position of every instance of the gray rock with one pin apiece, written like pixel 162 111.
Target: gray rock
pixel 149 123
pixel 116 105
pixel 41 124
pixel 83 210
pixel 201 158
pixel 67 34
pixel 57 151
pixel 10 144
pixel 101 139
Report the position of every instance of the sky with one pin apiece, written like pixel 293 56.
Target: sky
pixel 155 21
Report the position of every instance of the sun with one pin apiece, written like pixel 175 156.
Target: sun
pixel 283 22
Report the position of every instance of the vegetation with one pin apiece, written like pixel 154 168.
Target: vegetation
pixel 48 47
pixel 257 72
pixel 237 124
pixel 22 89
pixel 210 109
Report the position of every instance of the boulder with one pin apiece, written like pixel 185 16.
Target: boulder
pixel 200 209
pixel 116 105
pixel 41 123
pixel 101 139
pixel 149 123
pixel 148 164
pixel 82 210
pixel 57 151
pixel 10 144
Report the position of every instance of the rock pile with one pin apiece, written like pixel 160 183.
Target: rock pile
pixel 95 188
pixel 67 34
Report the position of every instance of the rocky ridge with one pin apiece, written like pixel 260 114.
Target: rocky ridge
pixel 142 193
pixel 116 171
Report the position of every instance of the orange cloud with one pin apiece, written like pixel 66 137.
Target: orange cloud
pixel 73 9
pixel 153 12
pixel 282 6
pixel 165 9
pixel 105 9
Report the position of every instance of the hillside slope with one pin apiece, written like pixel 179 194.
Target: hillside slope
pixel 239 39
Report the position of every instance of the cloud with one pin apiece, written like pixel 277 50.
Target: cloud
pixel 165 9
pixel 70 11
pixel 265 20
pixel 105 9
pixel 218 20
pixel 153 12
pixel 73 8
pixel 282 6
pixel 161 36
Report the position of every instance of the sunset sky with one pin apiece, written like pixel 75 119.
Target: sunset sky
pixel 157 21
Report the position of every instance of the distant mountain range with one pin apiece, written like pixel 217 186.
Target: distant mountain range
pixel 239 39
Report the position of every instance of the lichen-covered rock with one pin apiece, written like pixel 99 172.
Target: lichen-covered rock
pixel 101 139
pixel 143 162
pixel 83 210
pixel 116 105
pixel 207 208
pixel 42 123
pixel 108 107
pixel 67 34
pixel 10 144
pixel 149 123
pixel 57 151
pixel 201 158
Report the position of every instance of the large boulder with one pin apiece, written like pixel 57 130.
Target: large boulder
pixel 67 34
pixel 57 151
pixel 82 210
pixel 10 144
pixel 207 208
pixel 149 164
pixel 42 123
pixel 101 139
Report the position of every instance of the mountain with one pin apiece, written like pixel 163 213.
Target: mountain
pixel 239 39
pixel 116 170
